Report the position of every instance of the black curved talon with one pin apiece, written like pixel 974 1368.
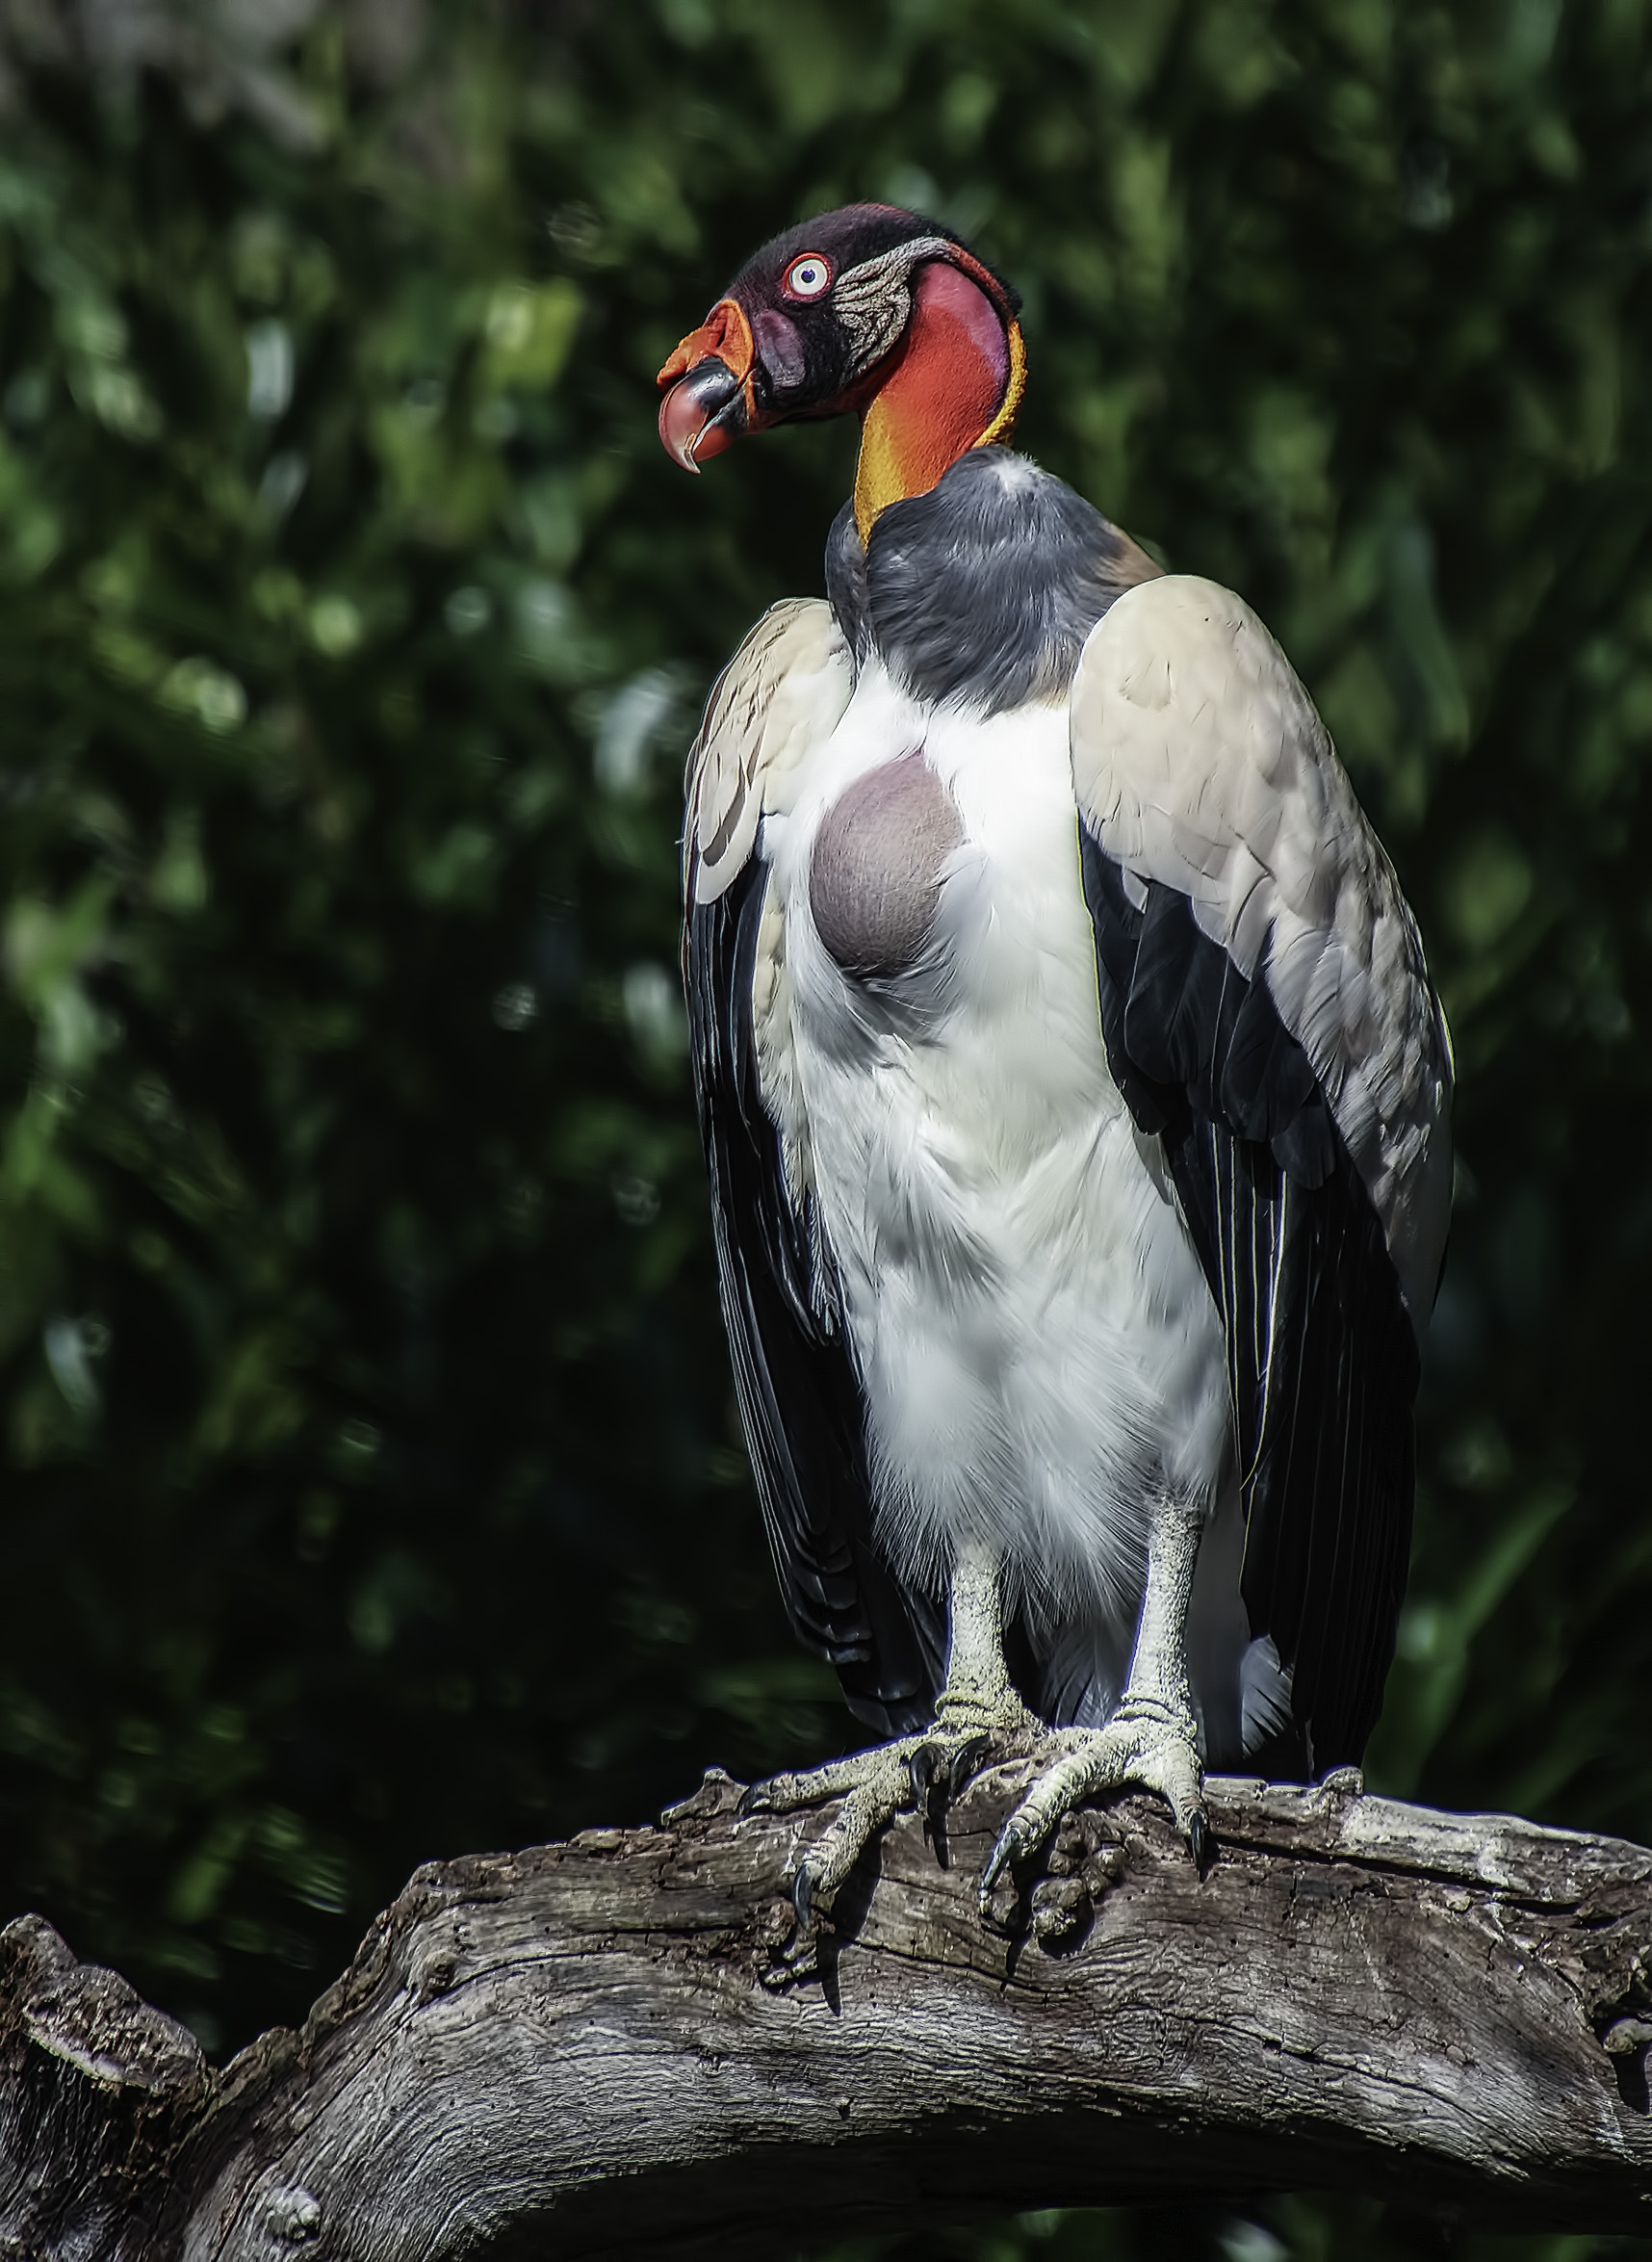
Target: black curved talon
pixel 929 1779
pixel 803 1897
pixel 1201 1843
pixel 752 1800
pixel 936 1778
pixel 965 1762
pixel 1011 1847
pixel 921 1773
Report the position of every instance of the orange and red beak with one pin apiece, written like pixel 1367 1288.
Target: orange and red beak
pixel 708 387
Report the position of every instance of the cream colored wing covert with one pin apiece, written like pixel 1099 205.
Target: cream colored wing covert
pixel 784 692
pixel 1200 763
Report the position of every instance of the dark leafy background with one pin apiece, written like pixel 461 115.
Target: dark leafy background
pixel 372 1491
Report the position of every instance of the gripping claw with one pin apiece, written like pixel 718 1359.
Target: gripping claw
pixel 965 1762
pixel 803 1897
pixel 1009 1848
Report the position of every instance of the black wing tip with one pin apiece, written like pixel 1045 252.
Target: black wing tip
pixel 1323 1361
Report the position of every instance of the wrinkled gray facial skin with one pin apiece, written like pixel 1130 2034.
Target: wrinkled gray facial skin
pixel 874 877
pixel 982 591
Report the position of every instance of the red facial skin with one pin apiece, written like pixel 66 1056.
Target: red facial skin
pixel 940 389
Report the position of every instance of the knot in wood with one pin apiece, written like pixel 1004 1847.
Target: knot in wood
pixel 293 2214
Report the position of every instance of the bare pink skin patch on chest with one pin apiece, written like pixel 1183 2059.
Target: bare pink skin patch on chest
pixel 874 877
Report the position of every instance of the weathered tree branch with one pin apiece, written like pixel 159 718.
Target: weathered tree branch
pixel 591 2048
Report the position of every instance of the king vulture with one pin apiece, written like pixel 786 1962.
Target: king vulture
pixel 1075 1097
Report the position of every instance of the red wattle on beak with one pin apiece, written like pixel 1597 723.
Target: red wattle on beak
pixel 707 401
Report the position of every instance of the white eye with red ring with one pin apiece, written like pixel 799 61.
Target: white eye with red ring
pixel 809 276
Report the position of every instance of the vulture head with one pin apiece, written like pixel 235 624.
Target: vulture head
pixel 867 310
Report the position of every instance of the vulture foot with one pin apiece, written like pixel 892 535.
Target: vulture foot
pixel 923 1773
pixel 1146 1744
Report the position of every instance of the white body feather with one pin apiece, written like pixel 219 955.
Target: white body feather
pixel 1037 1341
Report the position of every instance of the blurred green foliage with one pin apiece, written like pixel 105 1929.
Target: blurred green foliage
pixel 372 1491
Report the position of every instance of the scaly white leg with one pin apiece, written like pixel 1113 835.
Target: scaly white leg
pixel 978 1719
pixel 1152 1738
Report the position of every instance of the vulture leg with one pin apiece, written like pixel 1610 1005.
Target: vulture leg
pixel 979 1720
pixel 1152 1738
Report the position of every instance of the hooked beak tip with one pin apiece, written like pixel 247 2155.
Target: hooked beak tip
pixel 696 414
pixel 678 446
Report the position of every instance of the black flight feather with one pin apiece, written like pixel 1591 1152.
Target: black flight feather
pixel 1322 1360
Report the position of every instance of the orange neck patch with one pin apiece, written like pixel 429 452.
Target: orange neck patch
pixel 956 384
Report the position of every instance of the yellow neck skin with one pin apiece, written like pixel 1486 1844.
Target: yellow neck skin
pixel 909 438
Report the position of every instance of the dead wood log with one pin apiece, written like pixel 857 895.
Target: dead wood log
pixel 592 2049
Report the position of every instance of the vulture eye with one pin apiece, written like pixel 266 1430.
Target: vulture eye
pixel 808 277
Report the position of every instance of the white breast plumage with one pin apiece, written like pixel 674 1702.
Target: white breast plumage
pixel 1030 1326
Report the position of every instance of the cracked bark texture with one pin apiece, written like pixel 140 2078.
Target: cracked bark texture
pixel 593 2048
